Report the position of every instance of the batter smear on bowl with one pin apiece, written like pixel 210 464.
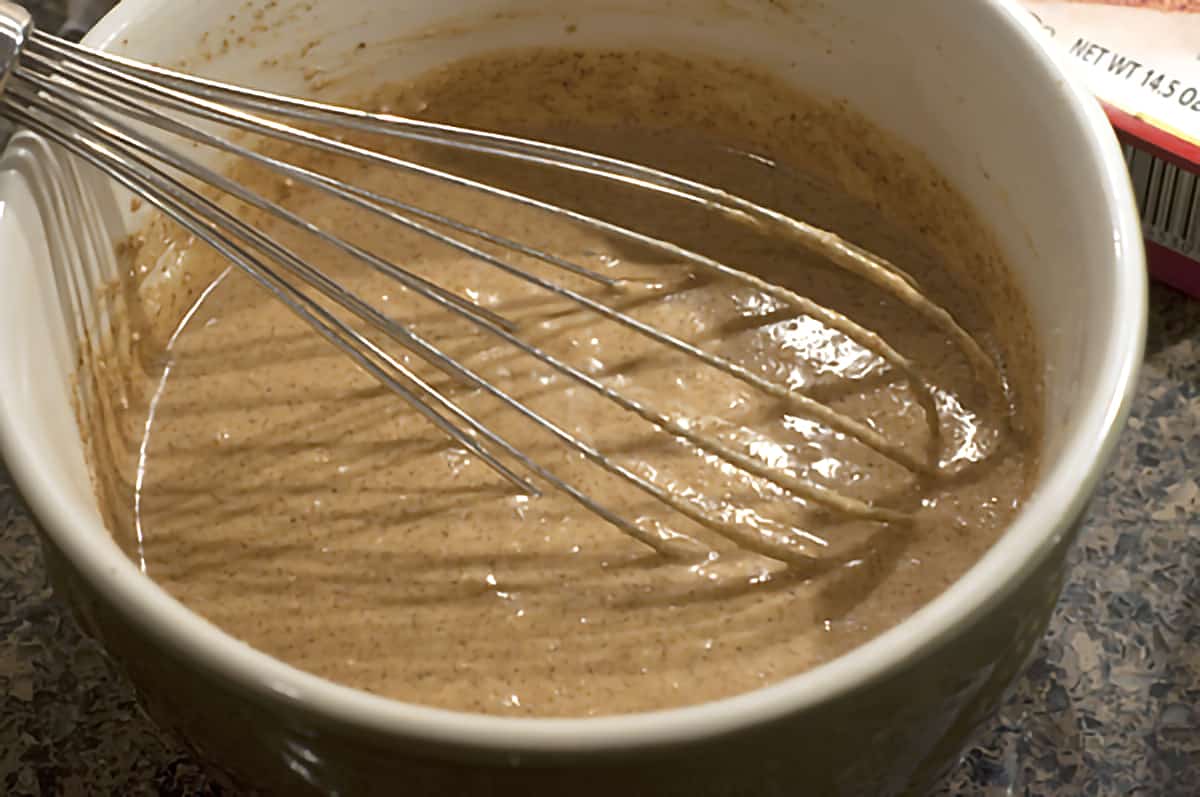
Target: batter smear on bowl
pixel 275 489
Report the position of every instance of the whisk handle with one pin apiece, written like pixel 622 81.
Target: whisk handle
pixel 15 26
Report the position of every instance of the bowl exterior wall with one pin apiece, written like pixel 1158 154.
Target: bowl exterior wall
pixel 892 737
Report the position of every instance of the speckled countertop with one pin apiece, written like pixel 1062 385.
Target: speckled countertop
pixel 1111 704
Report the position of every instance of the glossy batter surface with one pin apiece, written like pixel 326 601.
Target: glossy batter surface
pixel 281 493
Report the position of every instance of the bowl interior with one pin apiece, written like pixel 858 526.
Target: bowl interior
pixel 963 82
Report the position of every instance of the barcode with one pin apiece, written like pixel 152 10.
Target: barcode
pixel 1169 199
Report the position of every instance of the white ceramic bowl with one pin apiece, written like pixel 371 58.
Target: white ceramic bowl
pixel 966 82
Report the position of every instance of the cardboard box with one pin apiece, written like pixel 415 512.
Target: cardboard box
pixel 1142 60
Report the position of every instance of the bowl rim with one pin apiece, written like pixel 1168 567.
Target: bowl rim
pixel 1041 525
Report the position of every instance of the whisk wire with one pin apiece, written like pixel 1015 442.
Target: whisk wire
pixel 185 205
pixel 85 101
pixel 835 420
pixel 431 353
pixel 188 209
pixel 845 254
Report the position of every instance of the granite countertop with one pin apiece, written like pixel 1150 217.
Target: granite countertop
pixel 1110 705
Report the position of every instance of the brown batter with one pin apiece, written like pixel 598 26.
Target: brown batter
pixel 281 493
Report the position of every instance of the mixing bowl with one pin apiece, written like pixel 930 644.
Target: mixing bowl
pixel 965 82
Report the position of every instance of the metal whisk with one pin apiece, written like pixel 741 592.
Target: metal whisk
pixel 100 107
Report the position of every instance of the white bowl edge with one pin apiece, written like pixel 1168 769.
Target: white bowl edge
pixel 1063 493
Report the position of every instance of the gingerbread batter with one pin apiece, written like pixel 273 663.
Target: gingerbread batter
pixel 280 492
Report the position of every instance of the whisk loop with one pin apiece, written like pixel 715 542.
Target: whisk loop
pixel 102 108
